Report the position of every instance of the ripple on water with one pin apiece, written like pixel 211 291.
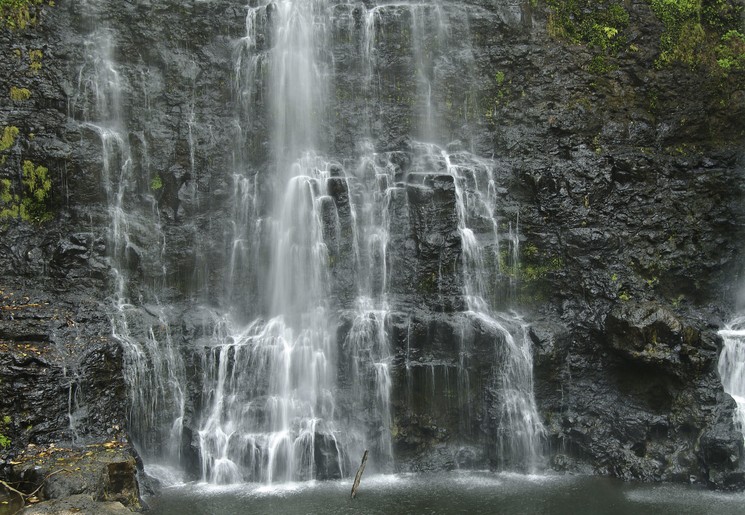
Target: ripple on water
pixel 688 500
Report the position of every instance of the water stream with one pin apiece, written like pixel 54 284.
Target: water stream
pixel 731 366
pixel 291 367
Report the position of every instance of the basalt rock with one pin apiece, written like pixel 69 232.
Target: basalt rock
pixel 623 190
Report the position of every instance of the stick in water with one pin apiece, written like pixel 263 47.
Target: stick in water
pixel 357 478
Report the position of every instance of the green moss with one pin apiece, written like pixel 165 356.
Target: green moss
pixel 683 30
pixel 8 200
pixel 730 52
pixel 156 183
pixel 532 265
pixel 32 205
pixel 676 302
pixel 701 34
pixel 599 25
pixel 8 138
pixel 428 284
pixel 19 14
pixel 600 65
pixel 19 94
pixel 697 33
pixel 4 440
pixel 35 57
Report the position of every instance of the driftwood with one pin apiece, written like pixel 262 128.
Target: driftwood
pixel 358 476
pixel 25 497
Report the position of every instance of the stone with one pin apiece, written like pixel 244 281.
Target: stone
pixel 624 191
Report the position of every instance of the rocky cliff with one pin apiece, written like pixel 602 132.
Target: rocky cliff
pixel 618 167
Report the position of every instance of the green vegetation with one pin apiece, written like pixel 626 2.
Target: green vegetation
pixel 37 183
pixel 428 284
pixel 600 25
pixel 8 201
pixel 730 53
pixel 706 33
pixel 32 205
pixel 532 267
pixel 501 96
pixel 19 14
pixel 683 30
pixel 701 33
pixel 19 94
pixel 156 183
pixel 8 138
pixel 35 57
pixel 4 440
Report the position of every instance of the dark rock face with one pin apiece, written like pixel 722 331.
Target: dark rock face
pixel 62 377
pixel 638 411
pixel 625 188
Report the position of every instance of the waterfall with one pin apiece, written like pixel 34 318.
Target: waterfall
pixel 285 363
pixel 136 245
pixel 270 386
pixel 731 366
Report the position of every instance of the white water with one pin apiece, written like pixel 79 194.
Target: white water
pixel 731 366
pixel 271 358
pixel 135 242
pixel 270 385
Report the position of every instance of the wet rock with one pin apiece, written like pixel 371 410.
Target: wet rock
pixel 624 191
pixel 103 472
pixel 77 504
pixel 326 454
pixel 652 335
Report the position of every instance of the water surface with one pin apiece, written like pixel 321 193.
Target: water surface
pixel 455 492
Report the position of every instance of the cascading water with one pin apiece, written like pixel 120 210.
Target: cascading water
pixel 731 366
pixel 135 242
pixel 275 417
pixel 521 432
pixel 290 371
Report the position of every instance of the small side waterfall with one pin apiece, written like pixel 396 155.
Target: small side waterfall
pixel 731 366
pixel 520 432
pixel 136 246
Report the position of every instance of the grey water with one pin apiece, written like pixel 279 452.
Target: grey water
pixel 452 493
